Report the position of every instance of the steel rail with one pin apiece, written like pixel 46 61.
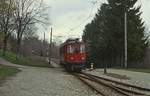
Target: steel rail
pixel 102 83
pixel 121 83
pixel 118 89
pixel 90 85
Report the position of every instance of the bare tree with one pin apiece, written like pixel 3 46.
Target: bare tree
pixel 27 13
pixel 6 20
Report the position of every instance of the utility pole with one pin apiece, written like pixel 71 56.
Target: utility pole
pixel 125 38
pixel 44 37
pixel 50 46
pixel 43 47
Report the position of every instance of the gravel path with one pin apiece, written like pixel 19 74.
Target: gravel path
pixel 44 82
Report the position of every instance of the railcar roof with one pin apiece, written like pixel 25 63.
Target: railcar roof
pixel 71 41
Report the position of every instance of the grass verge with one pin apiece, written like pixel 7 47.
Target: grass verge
pixel 35 61
pixel 9 56
pixel 6 71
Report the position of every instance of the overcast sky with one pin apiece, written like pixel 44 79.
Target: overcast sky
pixel 69 17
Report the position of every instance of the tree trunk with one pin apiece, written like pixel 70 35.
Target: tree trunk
pixel 105 67
pixel 105 64
pixel 4 46
pixel 18 48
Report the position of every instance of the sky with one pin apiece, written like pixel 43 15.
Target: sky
pixel 69 17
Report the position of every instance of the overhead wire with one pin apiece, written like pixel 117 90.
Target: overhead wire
pixel 90 14
pixel 96 4
pixel 141 2
pixel 85 20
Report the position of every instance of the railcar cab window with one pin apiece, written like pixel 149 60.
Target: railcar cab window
pixel 82 48
pixel 70 49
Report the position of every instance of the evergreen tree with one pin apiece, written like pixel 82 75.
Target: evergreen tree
pixel 105 34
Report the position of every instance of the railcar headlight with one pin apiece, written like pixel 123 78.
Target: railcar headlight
pixel 83 58
pixel 72 58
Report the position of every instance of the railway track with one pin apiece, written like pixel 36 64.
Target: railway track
pixel 108 87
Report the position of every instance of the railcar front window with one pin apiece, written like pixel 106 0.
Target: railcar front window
pixel 70 49
pixel 76 49
pixel 82 48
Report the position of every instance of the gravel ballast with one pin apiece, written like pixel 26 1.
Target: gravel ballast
pixel 135 78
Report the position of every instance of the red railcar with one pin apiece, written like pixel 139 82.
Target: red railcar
pixel 73 55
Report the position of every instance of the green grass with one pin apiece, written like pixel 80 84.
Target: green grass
pixel 6 71
pixel 35 61
pixel 12 58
